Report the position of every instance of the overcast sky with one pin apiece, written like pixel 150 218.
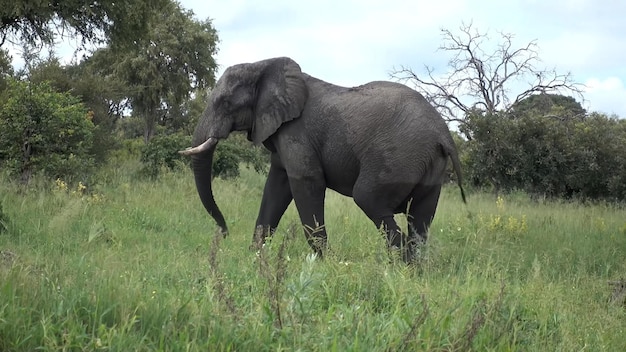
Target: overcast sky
pixel 353 42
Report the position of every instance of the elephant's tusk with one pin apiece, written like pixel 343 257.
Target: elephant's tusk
pixel 208 144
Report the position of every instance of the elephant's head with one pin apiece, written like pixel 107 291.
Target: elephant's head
pixel 255 97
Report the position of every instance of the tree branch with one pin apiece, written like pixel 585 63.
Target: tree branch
pixel 479 80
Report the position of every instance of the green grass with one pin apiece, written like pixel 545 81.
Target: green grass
pixel 134 265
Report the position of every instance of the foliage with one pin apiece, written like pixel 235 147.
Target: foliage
pixel 6 69
pixel 176 119
pixel 130 127
pixel 599 148
pixel 226 161
pixel 141 271
pixel 184 117
pixel 555 153
pixel 104 96
pixel 161 70
pixel 231 152
pixel 44 131
pixel 483 79
pixel 33 22
pixel 162 153
pixel 545 104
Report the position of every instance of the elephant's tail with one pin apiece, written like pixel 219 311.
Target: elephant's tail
pixel 456 166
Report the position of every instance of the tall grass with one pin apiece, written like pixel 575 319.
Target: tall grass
pixel 133 264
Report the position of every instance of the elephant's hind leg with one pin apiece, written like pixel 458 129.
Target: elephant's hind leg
pixel 421 212
pixel 378 202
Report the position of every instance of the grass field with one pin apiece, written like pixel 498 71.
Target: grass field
pixel 133 265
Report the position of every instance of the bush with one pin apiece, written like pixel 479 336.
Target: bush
pixel 162 153
pixel 42 131
pixel 226 160
pixel 549 155
pixel 234 151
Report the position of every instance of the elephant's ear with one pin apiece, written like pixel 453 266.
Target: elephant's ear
pixel 281 95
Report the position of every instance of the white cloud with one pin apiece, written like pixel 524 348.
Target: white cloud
pixel 579 46
pixel 606 95
pixel 350 42
pixel 344 42
pixel 608 84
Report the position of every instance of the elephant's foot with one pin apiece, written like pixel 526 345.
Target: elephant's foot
pixel 317 239
pixel 319 246
pixel 415 249
pixel 410 250
pixel 222 231
pixel 261 233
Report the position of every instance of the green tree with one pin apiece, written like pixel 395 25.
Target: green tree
pixel 162 153
pixel 184 117
pixel 548 150
pixel 490 157
pixel 545 104
pixel 44 131
pixel 529 153
pixel 598 153
pixel 6 69
pixel 104 96
pixel 33 22
pixel 166 66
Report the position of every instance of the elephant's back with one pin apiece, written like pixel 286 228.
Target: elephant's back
pixel 391 91
pixel 382 127
pixel 376 112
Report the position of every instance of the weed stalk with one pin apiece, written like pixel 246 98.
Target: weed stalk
pixel 218 282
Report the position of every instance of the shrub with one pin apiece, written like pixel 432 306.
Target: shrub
pixel 234 151
pixel 548 155
pixel 42 131
pixel 226 160
pixel 162 153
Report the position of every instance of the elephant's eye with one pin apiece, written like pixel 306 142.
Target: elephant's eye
pixel 224 103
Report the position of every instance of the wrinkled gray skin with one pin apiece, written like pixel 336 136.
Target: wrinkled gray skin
pixel 380 143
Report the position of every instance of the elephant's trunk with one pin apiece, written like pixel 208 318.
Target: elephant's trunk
pixel 202 161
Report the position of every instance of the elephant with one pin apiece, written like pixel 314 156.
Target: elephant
pixel 381 143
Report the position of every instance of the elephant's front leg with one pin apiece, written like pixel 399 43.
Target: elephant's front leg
pixel 276 199
pixel 308 193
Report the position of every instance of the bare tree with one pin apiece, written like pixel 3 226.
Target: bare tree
pixel 482 80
